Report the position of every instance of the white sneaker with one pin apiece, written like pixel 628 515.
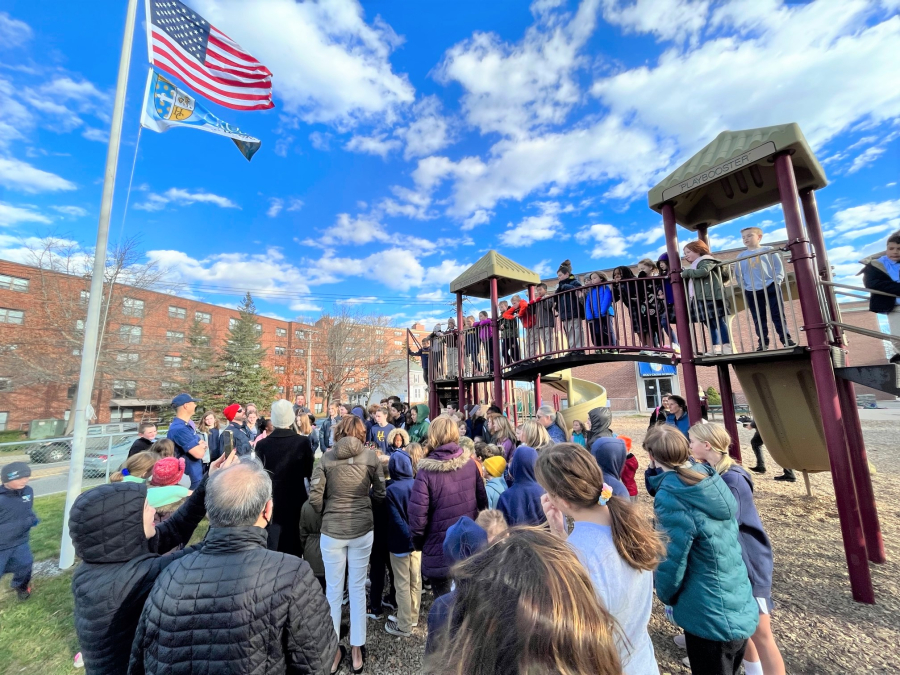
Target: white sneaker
pixel 393 618
pixel 716 350
pixel 78 662
pixel 679 640
pixel 727 349
pixel 686 662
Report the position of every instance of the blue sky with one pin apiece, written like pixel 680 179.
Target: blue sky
pixel 408 138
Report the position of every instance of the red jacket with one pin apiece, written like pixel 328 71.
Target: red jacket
pixel 627 475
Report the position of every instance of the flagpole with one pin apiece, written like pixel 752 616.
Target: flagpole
pixel 92 322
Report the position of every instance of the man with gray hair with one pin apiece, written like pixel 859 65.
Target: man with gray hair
pixel 234 606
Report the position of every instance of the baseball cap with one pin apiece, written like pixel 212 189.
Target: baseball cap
pixel 14 471
pixel 181 399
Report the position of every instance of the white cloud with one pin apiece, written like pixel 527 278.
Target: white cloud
pixel 533 229
pixel 13 215
pixel 18 175
pixel 65 100
pixel 851 221
pixel 480 217
pixel 347 230
pixel 396 268
pixel 512 89
pixel 607 240
pixel 433 296
pixel 99 135
pixel 330 65
pixel 379 144
pixel 277 205
pixel 73 211
pixel 320 140
pixel 666 19
pixel 814 63
pixel 180 196
pixel 543 269
pixel 429 131
pixel 443 273
pixel 865 158
pixel 15 117
pixel 13 32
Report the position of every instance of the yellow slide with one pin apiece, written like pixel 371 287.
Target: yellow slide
pixel 583 396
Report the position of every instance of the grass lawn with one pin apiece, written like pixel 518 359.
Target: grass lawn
pixel 45 538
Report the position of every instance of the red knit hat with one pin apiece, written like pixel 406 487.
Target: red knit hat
pixel 167 471
pixel 231 411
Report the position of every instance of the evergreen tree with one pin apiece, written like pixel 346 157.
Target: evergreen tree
pixel 240 376
pixel 200 368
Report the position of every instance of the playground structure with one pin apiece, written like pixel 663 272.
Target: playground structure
pixel 800 392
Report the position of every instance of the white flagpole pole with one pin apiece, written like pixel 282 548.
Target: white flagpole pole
pixel 92 323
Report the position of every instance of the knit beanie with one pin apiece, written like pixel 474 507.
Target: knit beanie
pixel 282 414
pixel 231 411
pixel 167 471
pixel 495 466
pixel 565 267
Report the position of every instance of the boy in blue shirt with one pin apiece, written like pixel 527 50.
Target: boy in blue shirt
pixel 761 277
pixel 378 432
pixel 882 273
pixel 16 520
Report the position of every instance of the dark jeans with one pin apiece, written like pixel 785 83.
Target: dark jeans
pixel 17 560
pixel 603 334
pixel 439 587
pixel 710 657
pixel 756 443
pixel 756 302
pixel 380 559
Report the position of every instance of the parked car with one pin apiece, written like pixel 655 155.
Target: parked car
pixel 96 462
pixel 60 449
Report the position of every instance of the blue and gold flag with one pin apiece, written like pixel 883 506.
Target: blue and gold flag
pixel 166 106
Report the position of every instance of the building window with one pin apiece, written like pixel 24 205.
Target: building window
pixel 121 414
pixel 398 342
pixel 132 307
pixel 5 384
pixel 202 340
pixel 127 358
pixel 379 331
pixel 124 388
pixel 280 351
pixel 174 336
pixel 4 416
pixel 232 323
pixel 318 408
pixel 172 361
pixel 281 332
pixel 13 283
pixel 281 390
pixel 170 386
pixel 351 380
pixel 130 334
pixel 278 369
pixel 70 392
pixel 299 352
pixel 319 372
pixel 85 297
pixel 299 334
pixel 79 325
pixel 15 316
pixel 259 329
pixel 203 317
pixel 177 312
pixel 297 388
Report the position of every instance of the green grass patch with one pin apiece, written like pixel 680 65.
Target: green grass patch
pixel 38 635
pixel 45 538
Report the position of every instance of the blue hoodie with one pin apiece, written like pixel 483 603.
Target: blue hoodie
pixel 521 504
pixel 756 549
pixel 464 539
pixel 494 487
pixel 610 454
pixel 398 492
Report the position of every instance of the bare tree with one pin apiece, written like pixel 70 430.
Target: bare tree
pixel 349 346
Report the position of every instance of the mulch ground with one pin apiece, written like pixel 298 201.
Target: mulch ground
pixel 818 626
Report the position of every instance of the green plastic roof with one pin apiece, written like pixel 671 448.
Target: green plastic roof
pixel 735 175
pixel 511 277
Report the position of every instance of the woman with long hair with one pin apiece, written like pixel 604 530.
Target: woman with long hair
pixel 345 484
pixel 533 434
pixel 708 303
pixel 709 444
pixel 448 486
pixel 502 433
pixel 702 577
pixel 209 431
pixel 553 421
pixel 614 539
pixel 525 605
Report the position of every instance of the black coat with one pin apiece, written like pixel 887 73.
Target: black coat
pixel 235 607
pixel 875 277
pixel 119 566
pixel 567 304
pixel 288 457
pixel 139 445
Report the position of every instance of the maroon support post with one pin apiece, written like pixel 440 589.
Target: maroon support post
pixel 681 314
pixel 703 233
pixel 862 479
pixel 460 356
pixel 495 346
pixel 826 387
pixel 727 394
pixel 537 379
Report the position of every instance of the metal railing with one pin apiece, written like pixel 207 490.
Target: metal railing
pixel 743 306
pixel 103 455
pixel 835 321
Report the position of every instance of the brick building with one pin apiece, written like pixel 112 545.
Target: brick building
pixel 144 347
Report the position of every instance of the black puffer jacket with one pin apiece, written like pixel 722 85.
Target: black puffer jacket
pixel 119 566
pixel 235 607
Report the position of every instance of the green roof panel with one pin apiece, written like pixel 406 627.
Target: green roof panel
pixel 735 175
pixel 511 277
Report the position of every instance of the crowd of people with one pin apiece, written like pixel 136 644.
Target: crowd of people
pixel 528 539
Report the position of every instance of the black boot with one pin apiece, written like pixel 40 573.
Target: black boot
pixel 760 460
pixel 787 476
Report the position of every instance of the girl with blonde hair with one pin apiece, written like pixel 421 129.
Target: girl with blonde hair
pixel 502 434
pixel 525 605
pixel 534 435
pixel 614 539
pixel 702 576
pixel 137 468
pixel 710 444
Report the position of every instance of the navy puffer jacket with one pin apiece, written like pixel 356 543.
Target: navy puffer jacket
pixel 448 486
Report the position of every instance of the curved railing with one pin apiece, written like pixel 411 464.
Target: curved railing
pixel 631 316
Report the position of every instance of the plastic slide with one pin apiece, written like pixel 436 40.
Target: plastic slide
pixel 583 396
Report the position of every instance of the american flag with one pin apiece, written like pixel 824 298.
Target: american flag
pixel 186 45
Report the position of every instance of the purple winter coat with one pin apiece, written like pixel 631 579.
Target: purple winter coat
pixel 448 486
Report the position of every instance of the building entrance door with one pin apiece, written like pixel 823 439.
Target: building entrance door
pixel 655 388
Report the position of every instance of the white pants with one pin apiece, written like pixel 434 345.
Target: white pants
pixel 894 326
pixel 339 554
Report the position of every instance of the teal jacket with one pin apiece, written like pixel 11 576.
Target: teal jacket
pixel 703 577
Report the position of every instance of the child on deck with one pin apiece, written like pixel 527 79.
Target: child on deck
pixel 761 276
pixel 882 273
pixel 16 520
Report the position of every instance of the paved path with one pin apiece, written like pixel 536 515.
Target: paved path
pixel 49 485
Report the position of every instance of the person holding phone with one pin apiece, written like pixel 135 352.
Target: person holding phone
pixel 235 430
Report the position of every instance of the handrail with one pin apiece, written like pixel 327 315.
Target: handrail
pixel 859 289
pixel 878 335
